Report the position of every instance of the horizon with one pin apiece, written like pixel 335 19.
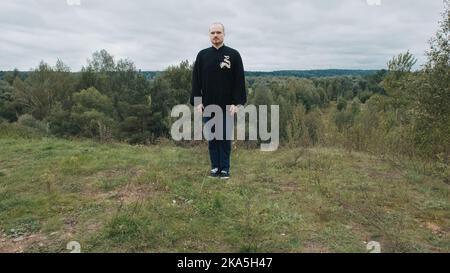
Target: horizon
pixel 257 71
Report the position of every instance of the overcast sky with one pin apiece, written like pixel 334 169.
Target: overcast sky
pixel 270 35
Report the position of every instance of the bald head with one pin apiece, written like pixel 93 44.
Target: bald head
pixel 217 24
pixel 216 34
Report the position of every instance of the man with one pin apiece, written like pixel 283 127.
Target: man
pixel 218 78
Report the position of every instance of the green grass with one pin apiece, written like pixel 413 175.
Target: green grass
pixel 122 198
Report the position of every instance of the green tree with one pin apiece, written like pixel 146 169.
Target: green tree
pixel 341 104
pixel 92 113
pixel 296 130
pixel 10 76
pixel 128 91
pixel 43 88
pixel 170 88
pixel 397 81
pixel 7 109
pixel 432 94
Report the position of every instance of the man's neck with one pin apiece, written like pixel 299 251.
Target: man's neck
pixel 217 47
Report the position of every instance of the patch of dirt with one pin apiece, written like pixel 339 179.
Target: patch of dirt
pixel 286 187
pixel 21 243
pixel 315 247
pixel 390 175
pixel 131 173
pixel 38 242
pixel 133 193
pixel 435 229
pixel 367 167
pixel 70 223
pixel 99 194
pixel 94 227
pixel 289 186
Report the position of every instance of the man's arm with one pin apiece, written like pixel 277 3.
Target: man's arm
pixel 196 80
pixel 239 92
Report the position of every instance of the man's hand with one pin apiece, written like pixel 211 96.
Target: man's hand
pixel 234 109
pixel 199 108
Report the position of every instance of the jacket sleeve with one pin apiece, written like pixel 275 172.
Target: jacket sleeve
pixel 239 91
pixel 196 80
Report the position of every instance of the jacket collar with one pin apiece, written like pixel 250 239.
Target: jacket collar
pixel 222 46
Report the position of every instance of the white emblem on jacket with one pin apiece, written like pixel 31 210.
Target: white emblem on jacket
pixel 226 62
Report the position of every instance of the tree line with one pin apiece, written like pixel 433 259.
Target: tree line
pixel 395 109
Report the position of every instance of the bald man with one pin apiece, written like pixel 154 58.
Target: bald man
pixel 218 79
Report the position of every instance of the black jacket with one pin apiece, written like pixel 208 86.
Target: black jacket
pixel 218 77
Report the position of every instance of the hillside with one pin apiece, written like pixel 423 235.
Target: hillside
pixel 122 198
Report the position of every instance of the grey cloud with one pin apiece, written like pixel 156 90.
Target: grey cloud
pixel 270 35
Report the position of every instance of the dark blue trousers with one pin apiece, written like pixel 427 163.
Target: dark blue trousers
pixel 220 150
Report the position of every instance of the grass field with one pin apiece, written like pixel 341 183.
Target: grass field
pixel 122 198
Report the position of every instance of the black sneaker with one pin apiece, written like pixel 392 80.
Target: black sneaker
pixel 214 173
pixel 224 175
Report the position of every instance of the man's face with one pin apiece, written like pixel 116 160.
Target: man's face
pixel 216 34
